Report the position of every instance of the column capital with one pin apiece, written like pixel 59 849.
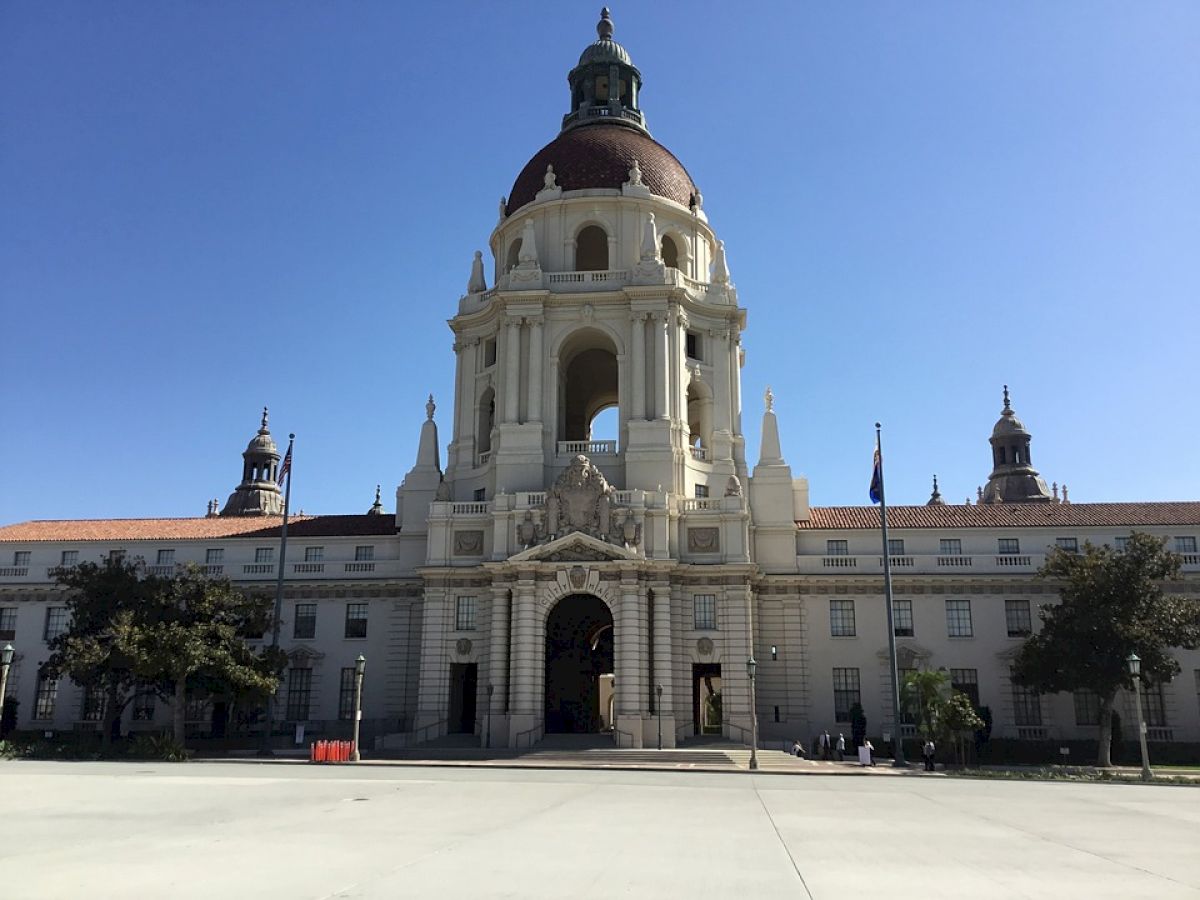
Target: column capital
pixel 639 316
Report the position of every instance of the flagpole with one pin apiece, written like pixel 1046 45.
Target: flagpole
pixel 893 668
pixel 275 620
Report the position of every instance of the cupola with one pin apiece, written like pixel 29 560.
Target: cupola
pixel 258 494
pixel 605 83
pixel 1013 478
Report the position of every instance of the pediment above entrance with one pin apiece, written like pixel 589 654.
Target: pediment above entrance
pixel 909 655
pixel 575 547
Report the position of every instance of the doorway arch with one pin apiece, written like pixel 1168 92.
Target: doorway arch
pixel 579 661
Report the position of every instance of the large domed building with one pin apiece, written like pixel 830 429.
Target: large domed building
pixel 544 580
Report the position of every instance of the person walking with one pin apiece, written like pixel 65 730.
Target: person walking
pixel 825 746
pixel 841 747
pixel 870 748
pixel 927 752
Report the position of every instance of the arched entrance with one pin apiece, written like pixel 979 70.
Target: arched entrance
pixel 579 666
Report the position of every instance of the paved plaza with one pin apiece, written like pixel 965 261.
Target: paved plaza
pixel 248 830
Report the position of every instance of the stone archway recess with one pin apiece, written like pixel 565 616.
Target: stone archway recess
pixel 579 650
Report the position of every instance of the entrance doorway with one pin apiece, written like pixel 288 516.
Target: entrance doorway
pixel 464 680
pixel 707 708
pixel 579 665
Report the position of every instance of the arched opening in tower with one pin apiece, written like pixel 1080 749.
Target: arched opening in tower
pixel 591 250
pixel 670 252
pixel 699 413
pixel 588 383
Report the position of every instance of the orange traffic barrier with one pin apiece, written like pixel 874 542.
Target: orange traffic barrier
pixel 330 751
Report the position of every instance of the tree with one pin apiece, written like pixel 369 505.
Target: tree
pixel 959 720
pixel 1111 604
pixel 924 693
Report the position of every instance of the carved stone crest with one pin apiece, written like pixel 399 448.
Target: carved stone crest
pixel 578 576
pixel 704 540
pixel 581 500
pixel 463 646
pixel 468 543
pixel 704 646
pixel 733 487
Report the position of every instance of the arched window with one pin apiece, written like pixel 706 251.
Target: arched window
pixel 591 250
pixel 700 414
pixel 514 255
pixel 487 421
pixel 670 253
pixel 588 385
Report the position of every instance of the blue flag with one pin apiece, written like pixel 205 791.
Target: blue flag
pixel 877 477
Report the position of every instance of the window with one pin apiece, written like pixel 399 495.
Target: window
pixel 47 694
pixel 489 346
pixel 958 618
pixel 214 556
pixel 950 547
pixel 1152 703
pixel 1121 543
pixel 364 553
pixel 304 625
pixel 264 555
pixel 1186 544
pixel 704 612
pixel 93 704
pixel 70 558
pixel 21 558
pixel 8 623
pixel 480 495
pixel 670 254
pixel 1070 545
pixel 966 681
pixel 356 620
pixel 693 345
pixel 701 491
pixel 116 555
pixel 314 554
pixel 845 693
pixel 346 694
pixel 841 618
pixel 143 703
pixel 56 622
pixel 1087 708
pixel 591 250
pixel 837 548
pixel 895 546
pixel 464 614
pixel 1017 616
pixel 1008 546
pixel 166 558
pixel 298 694
pixel 902 618
pixel 1027 706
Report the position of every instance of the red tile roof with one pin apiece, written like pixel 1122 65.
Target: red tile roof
pixel 1009 515
pixel 195 529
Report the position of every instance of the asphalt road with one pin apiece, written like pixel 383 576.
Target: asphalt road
pixel 251 830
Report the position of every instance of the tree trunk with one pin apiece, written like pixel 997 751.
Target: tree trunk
pixel 1104 754
pixel 178 710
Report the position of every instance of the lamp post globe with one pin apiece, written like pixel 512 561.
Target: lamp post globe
pixel 1135 669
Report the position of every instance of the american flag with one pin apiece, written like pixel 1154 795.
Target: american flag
pixel 285 469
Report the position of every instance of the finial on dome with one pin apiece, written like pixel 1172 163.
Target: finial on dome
pixel 604 27
pixel 376 507
pixel 769 399
pixel 935 499
pixel 430 407
pixel 1007 409
pixel 264 419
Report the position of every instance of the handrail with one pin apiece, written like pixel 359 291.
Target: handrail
pixel 540 727
pixel 747 734
pixel 424 728
pixel 617 732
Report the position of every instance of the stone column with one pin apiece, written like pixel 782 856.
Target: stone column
pixel 638 362
pixel 498 676
pixel 433 679
pixel 662 367
pixel 525 710
pixel 533 410
pixel 662 660
pixel 629 664
pixel 512 377
pixel 735 386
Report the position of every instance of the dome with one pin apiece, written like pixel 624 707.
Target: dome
pixel 600 156
pixel 1009 424
pixel 603 51
pixel 262 443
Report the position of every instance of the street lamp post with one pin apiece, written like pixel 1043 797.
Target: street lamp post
pixel 658 709
pixel 488 741
pixel 6 658
pixel 1135 669
pixel 751 665
pixel 360 665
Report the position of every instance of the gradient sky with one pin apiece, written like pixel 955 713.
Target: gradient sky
pixel 206 207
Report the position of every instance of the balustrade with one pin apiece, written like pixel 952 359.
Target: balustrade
pixel 587 448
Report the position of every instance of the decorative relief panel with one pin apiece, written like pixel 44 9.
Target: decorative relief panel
pixel 468 543
pixel 704 540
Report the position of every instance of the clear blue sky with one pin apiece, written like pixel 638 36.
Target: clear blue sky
pixel 211 206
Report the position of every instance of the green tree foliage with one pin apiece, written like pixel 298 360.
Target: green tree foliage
pixel 1112 604
pixel 959 722
pixel 923 693
pixel 132 632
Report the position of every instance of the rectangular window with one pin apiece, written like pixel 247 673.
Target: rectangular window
pixel 1155 708
pixel 93 704
pixel 70 558
pixel 950 547
pixel 902 617
pixel 966 681
pixel 837 548
pixel 214 556
pixel 895 546
pixel 1070 545
pixel 21 558
pixel 958 618
pixel 1087 708
pixel 116 555
pixel 47 694
pixel 1008 546
pixel 1121 543
pixel 264 555
pixel 1185 544
pixel 845 693
pixel 841 618
pixel 701 491
pixel 480 495
pixel 356 620
pixel 704 612
pixel 1017 616
pixel 489 352
pixel 314 554
pixel 304 625
pixel 166 558
pixel 143 704
pixel 299 693
pixel 1027 706
pixel 693 345
pixel 56 622
pixel 365 553
pixel 8 623
pixel 346 694
pixel 464 614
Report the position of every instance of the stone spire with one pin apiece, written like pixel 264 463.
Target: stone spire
pixel 1013 478
pixel 770 452
pixel 258 494
pixel 935 499
pixel 421 484
pixel 376 507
